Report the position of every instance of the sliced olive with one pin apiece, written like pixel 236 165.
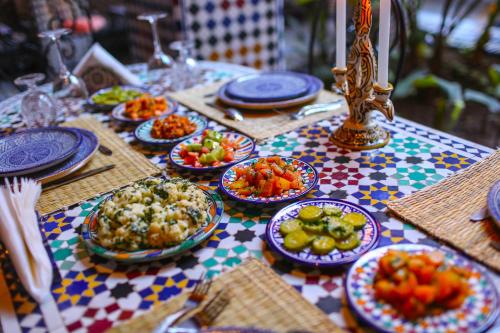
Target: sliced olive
pixel 357 220
pixel 349 243
pixel 289 226
pixel 296 240
pixel 323 245
pixel 332 211
pixel 339 229
pixel 310 214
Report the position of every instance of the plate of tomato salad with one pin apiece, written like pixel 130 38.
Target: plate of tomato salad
pixel 211 150
pixel 267 180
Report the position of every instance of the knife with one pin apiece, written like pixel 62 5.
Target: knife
pixel 316 108
pixel 231 113
pixel 57 183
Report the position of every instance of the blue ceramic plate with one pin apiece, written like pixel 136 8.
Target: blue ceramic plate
pixel 268 87
pixel 89 235
pixel 308 173
pixel 246 147
pixel 36 149
pixel 494 202
pixel 86 149
pixel 143 132
pixel 313 91
pixel 107 107
pixel 118 112
pixel 477 313
pixel 369 235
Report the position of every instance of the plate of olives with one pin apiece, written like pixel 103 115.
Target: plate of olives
pixel 322 232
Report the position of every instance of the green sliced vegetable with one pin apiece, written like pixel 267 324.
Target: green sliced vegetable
pixel 314 228
pixel 289 226
pixel 349 243
pixel 310 214
pixel 296 240
pixel 332 211
pixel 214 135
pixel 194 147
pixel 339 229
pixel 357 220
pixel 219 153
pixel 208 143
pixel 323 245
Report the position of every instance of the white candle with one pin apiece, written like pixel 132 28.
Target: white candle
pixel 383 39
pixel 341 31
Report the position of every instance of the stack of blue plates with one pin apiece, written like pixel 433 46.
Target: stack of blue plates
pixel 270 90
pixel 46 154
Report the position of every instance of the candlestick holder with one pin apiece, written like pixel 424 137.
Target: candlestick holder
pixel 360 131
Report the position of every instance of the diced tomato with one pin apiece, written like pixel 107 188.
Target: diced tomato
pixel 239 172
pixel 384 289
pixel 216 164
pixel 183 153
pixel 295 184
pixel 289 175
pixel 276 169
pixel 283 183
pixel 190 160
pixel 426 274
pixel 425 293
pixel 267 189
pixel 229 156
pixel 205 150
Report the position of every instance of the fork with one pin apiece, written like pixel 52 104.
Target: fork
pixel 198 294
pixel 207 315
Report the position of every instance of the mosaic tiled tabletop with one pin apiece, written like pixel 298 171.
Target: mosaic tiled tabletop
pixel 94 294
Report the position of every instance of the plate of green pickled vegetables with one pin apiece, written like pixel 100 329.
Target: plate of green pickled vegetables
pixel 110 97
pixel 322 232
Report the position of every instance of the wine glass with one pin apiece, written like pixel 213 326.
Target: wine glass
pixel 159 60
pixel 66 84
pixel 187 71
pixel 38 109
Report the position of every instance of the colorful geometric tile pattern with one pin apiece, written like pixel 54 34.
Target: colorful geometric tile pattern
pixel 93 293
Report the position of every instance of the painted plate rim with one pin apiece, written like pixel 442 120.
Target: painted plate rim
pixel 67 154
pixel 375 252
pixel 283 252
pixel 267 201
pixel 163 142
pixel 118 112
pixel 314 90
pixel 152 254
pixel 304 77
pixel 210 168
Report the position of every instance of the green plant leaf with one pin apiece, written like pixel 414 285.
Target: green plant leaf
pixel 491 103
pixel 406 87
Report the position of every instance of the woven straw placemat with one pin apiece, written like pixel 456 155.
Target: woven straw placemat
pixel 444 209
pixel 259 298
pixel 257 124
pixel 130 166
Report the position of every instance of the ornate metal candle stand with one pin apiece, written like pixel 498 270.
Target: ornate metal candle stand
pixel 361 131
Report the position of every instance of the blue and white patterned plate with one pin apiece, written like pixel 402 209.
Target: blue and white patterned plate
pixel 86 149
pixel 369 235
pixel 118 112
pixel 478 312
pixel 314 89
pixel 246 147
pixel 89 235
pixel 494 202
pixel 36 149
pixel 108 107
pixel 269 87
pixel 308 173
pixel 143 132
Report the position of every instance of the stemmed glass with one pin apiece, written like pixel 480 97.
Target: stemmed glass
pixel 38 109
pixel 159 60
pixel 66 84
pixel 187 71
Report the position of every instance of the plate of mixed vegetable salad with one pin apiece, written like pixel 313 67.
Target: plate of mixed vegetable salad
pixel 408 287
pixel 322 232
pixel 170 129
pixel 268 180
pixel 143 108
pixel 211 150
pixel 108 98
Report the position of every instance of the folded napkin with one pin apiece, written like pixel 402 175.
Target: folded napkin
pixel 21 236
pixel 99 69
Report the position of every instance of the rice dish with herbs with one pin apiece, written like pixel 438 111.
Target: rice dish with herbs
pixel 154 213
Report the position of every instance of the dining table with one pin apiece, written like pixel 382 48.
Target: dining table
pixel 93 293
